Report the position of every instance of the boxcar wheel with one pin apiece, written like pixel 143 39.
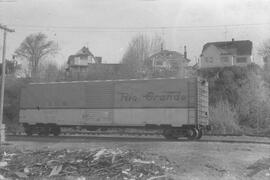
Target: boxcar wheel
pixel 192 133
pixel 200 133
pixel 43 131
pixel 169 134
pixel 56 131
pixel 28 130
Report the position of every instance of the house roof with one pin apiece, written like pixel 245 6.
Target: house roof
pixel 232 47
pixel 168 54
pixel 84 51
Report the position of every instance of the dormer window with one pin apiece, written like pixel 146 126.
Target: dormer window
pixel 159 63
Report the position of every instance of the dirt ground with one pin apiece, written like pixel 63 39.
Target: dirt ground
pixel 193 160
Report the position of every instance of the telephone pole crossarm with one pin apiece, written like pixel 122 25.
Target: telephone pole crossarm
pixel 6 29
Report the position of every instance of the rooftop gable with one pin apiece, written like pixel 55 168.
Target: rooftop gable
pixel 84 51
pixel 232 47
pixel 169 54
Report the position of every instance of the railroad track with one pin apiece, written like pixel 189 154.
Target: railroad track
pixel 76 133
pixel 129 137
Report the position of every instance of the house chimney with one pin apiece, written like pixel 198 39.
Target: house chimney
pixel 185 52
pixel 98 60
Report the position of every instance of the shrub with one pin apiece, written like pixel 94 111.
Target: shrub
pixel 243 88
pixel 223 119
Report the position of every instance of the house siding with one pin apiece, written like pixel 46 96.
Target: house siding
pixel 214 57
pixel 168 60
pixel 211 57
pixel 248 60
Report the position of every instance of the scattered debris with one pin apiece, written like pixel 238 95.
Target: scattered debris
pixel 143 162
pixel 163 177
pixel 258 166
pixel 2 177
pixel 21 175
pixel 26 170
pixel 56 170
pixel 103 163
pixel 216 168
pixel 98 154
pixel 3 164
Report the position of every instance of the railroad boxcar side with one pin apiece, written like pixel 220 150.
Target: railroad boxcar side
pixel 176 106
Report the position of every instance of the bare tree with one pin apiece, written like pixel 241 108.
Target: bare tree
pixel 264 49
pixel 61 76
pixel 34 49
pixel 49 71
pixel 139 49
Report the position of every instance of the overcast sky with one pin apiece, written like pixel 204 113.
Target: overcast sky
pixel 106 26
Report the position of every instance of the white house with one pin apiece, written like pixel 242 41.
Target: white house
pixel 82 58
pixel 227 53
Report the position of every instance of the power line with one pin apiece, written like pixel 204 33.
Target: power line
pixel 136 29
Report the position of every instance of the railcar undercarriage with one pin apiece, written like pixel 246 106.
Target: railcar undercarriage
pixel 191 132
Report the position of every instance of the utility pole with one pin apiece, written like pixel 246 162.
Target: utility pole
pixel 2 126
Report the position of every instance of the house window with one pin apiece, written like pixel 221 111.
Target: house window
pixel 159 63
pixel 209 59
pixel 72 62
pixel 84 57
pixel 241 60
pixel 224 59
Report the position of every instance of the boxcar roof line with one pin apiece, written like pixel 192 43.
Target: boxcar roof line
pixel 103 80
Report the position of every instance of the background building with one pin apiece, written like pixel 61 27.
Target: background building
pixel 227 53
pixel 85 66
pixel 171 61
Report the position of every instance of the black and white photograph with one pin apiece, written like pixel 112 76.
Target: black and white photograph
pixel 135 89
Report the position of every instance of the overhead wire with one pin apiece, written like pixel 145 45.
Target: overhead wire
pixel 135 29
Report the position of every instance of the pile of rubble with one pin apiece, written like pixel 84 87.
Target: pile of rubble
pixel 98 164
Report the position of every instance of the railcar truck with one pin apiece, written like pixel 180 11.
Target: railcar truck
pixel 175 107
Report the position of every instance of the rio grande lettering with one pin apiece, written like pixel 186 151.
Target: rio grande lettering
pixel 166 96
pixel 152 96
pixel 128 97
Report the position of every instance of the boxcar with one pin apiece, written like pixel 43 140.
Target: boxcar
pixel 177 107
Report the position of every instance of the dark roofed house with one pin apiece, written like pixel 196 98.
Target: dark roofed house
pixel 84 64
pixel 82 58
pixel 169 60
pixel 78 63
pixel 226 53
